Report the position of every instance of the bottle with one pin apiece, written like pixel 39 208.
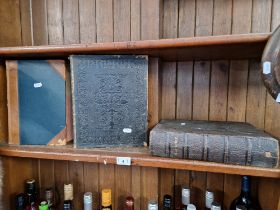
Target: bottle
pixel 191 207
pixel 244 199
pixel 185 197
pixel 44 205
pixel 106 199
pixel 215 206
pixel 209 198
pixel 20 201
pixel 167 202
pixel 49 196
pixel 68 197
pixel 88 201
pixel 129 203
pixel 31 195
pixel 67 205
pixel 152 205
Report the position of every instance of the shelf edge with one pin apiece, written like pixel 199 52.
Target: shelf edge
pixel 139 159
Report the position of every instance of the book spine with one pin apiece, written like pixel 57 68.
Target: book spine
pixel 250 151
pixel 215 147
pixel 196 146
pixel 264 152
pixel 158 143
pixel 237 150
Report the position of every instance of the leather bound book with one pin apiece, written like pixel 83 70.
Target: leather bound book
pixel 109 95
pixel 222 142
pixel 38 102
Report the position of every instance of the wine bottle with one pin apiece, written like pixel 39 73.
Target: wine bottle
pixel 244 199
pixel 167 202
pixel 215 206
pixel 31 195
pixel 106 199
pixel 191 207
pixel 185 197
pixel 129 203
pixel 20 201
pixel 209 198
pixel 68 197
pixel 88 201
pixel 152 205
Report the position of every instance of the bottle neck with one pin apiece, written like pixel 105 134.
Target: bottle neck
pixel 106 198
pixel 129 207
pixel 31 199
pixel 245 186
pixel 167 202
pixel 67 205
pixel 209 198
pixel 129 203
pixel 152 205
pixel 244 194
pixel 208 203
pixel 185 200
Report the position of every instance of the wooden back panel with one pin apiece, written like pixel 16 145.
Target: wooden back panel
pixel 215 90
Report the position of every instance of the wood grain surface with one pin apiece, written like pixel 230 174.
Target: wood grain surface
pixel 222 89
pixel 13 102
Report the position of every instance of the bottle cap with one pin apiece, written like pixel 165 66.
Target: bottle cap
pixel 239 207
pixel 44 205
pixel 191 207
pixel 49 196
pixel 106 197
pixel 67 204
pixel 129 201
pixel 30 181
pixel 215 206
pixel 88 197
pixel 30 186
pixel 185 195
pixel 209 198
pixel 68 192
pixel 167 201
pixel 153 205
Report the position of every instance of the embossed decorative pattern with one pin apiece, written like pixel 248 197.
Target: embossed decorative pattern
pixel 110 100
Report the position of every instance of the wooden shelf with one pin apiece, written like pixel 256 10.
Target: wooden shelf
pixel 180 49
pixel 214 47
pixel 139 155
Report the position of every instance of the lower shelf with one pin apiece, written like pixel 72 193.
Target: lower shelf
pixel 139 157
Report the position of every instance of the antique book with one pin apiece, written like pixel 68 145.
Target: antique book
pixel 109 100
pixel 222 142
pixel 39 102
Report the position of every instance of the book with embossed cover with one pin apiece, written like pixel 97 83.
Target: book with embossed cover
pixel 109 94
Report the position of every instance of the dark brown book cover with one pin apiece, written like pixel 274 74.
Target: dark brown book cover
pixel 222 142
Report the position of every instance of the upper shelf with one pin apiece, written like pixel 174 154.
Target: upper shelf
pixel 140 156
pixel 180 49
